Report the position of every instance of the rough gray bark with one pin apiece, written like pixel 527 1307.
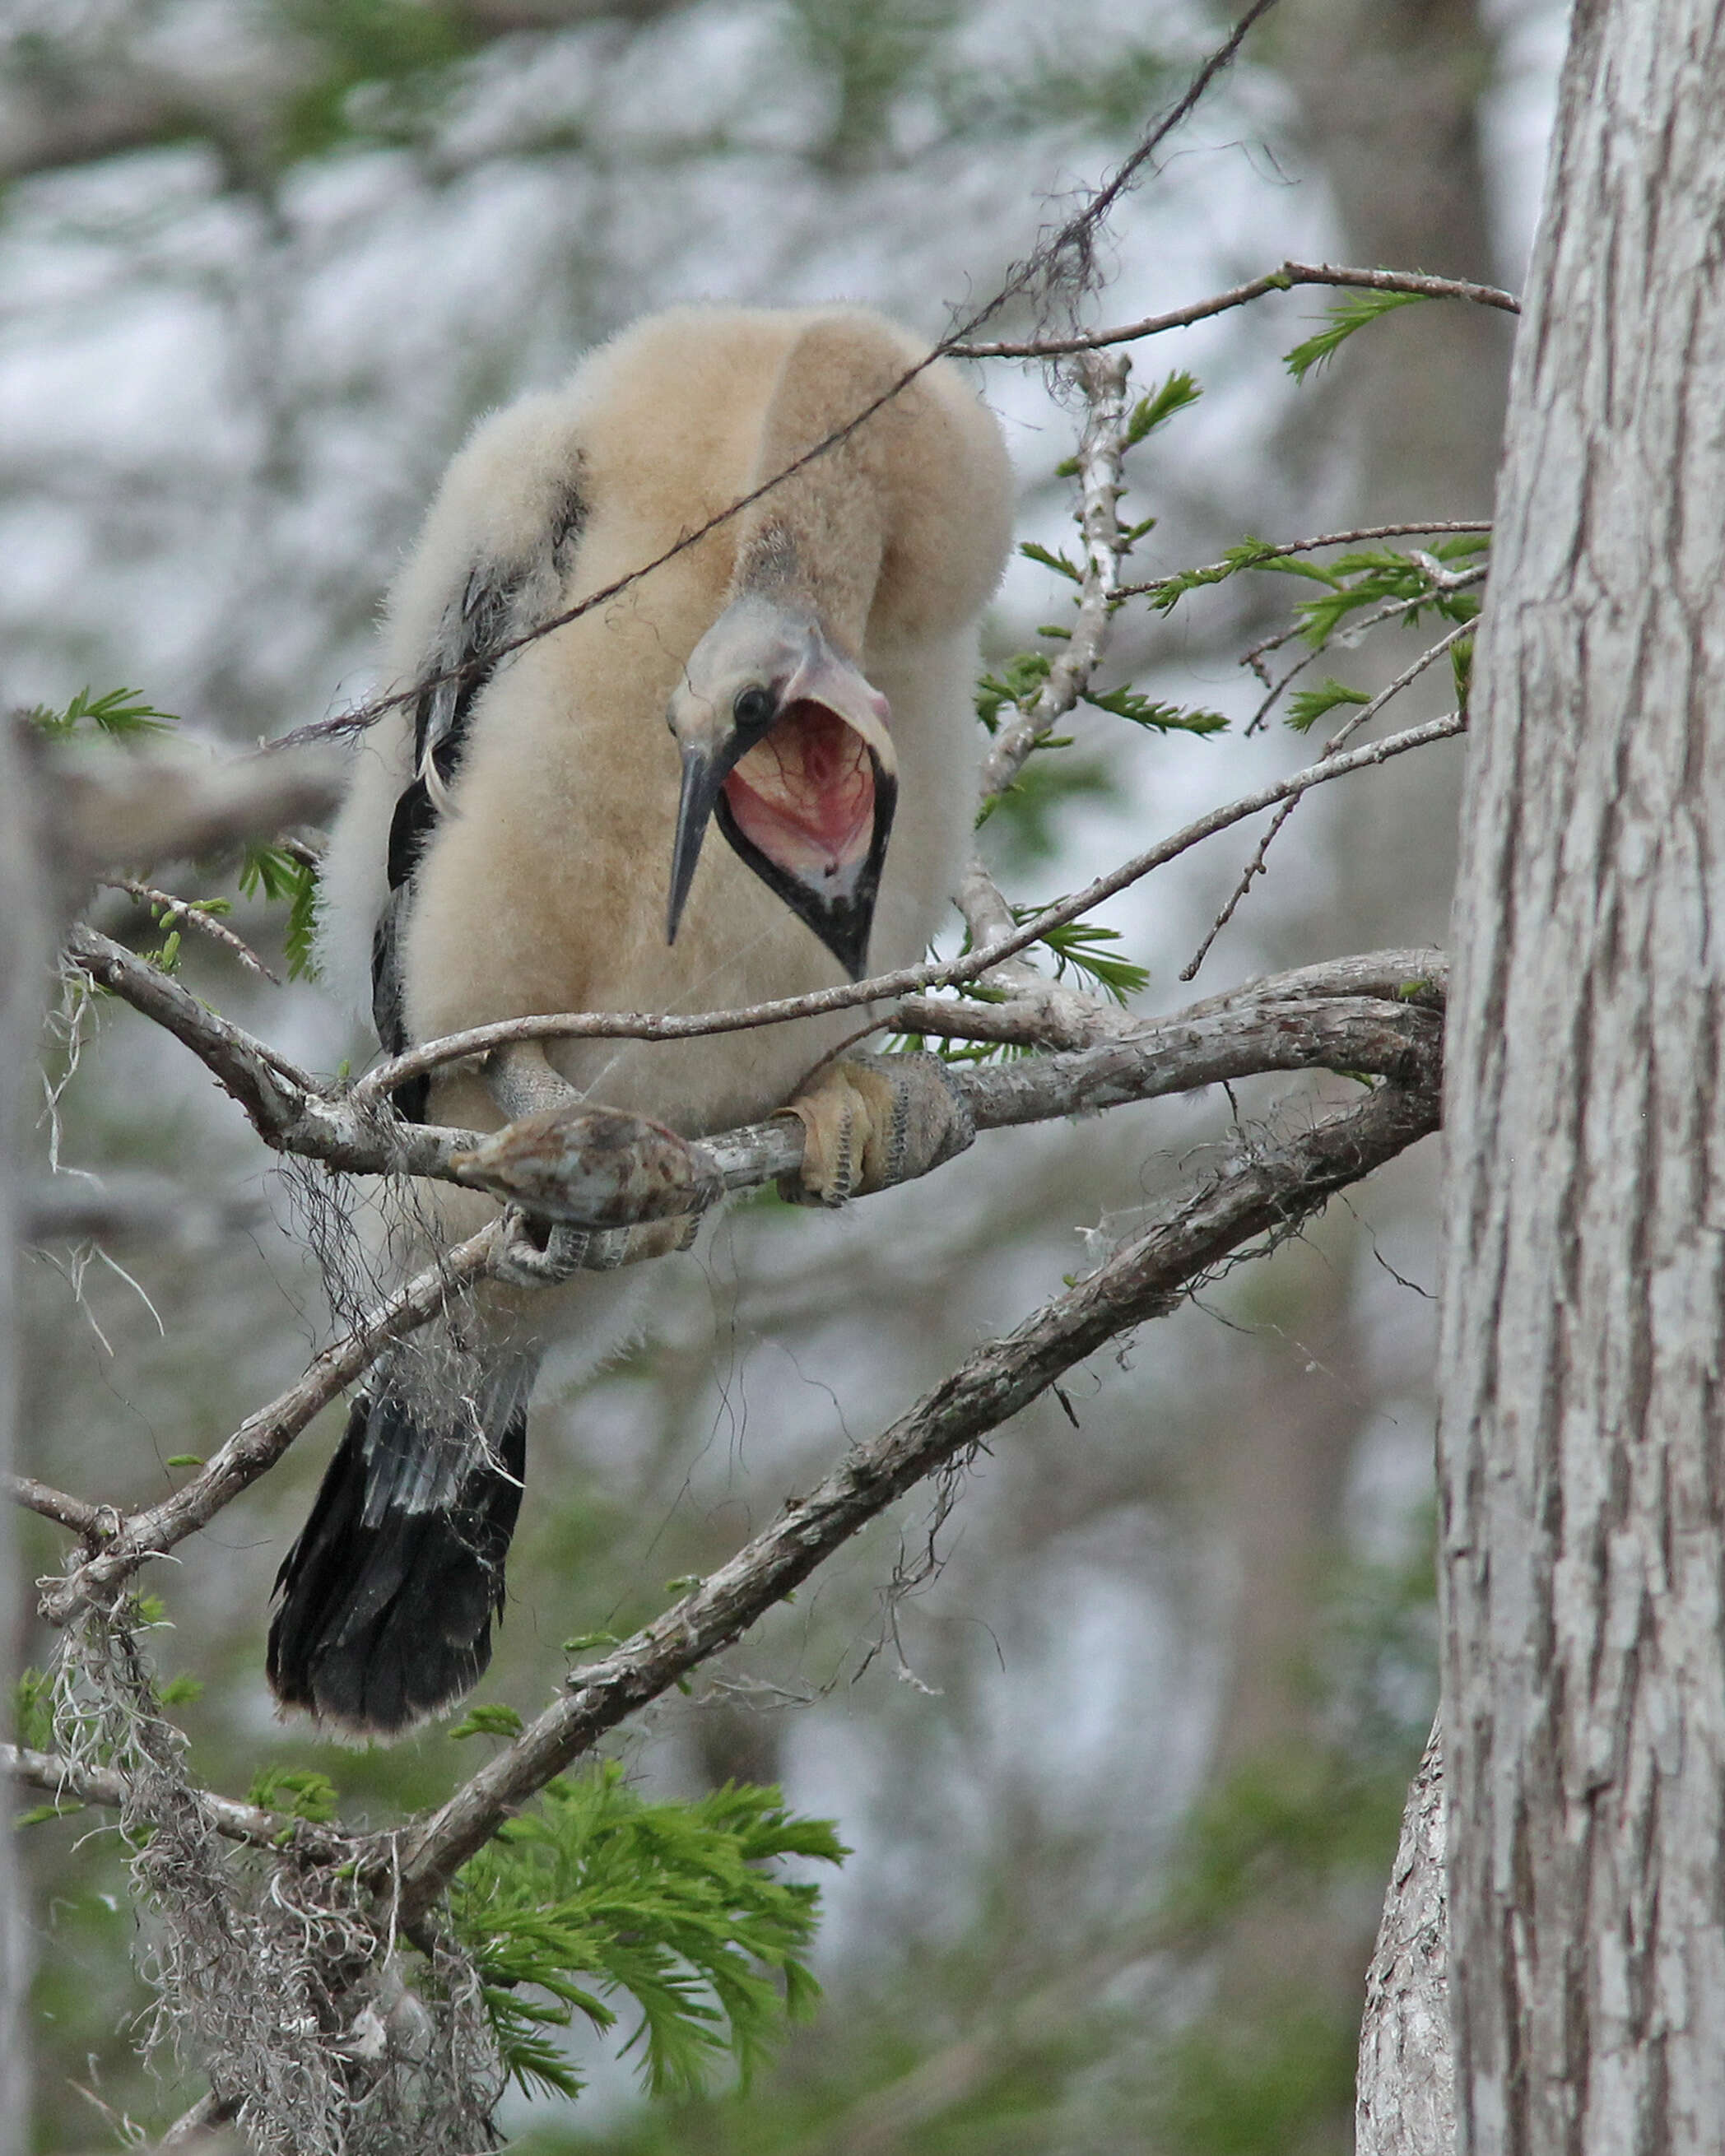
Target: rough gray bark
pixel 1405 2102
pixel 1583 1507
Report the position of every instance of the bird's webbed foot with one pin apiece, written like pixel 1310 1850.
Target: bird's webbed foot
pixel 872 1121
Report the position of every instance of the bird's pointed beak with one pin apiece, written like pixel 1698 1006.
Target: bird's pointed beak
pixel 806 802
pixel 704 773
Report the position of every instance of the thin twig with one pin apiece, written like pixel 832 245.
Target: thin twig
pixel 264 1436
pixel 635 1025
pixel 1314 1031
pixel 1074 240
pixel 1463 580
pixel 1275 281
pixel 1333 746
pixel 349 1131
pixel 192 2127
pixel 1215 573
pixel 194 915
pixel 1289 1180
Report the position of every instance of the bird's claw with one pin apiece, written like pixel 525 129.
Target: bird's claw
pixel 872 1120
pixel 547 1253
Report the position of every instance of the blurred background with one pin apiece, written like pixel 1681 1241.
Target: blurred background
pixel 1121 1771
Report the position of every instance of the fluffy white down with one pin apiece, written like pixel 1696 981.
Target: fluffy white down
pixel 566 743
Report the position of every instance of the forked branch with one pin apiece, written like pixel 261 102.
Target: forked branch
pixel 1393 1033
pixel 1184 1240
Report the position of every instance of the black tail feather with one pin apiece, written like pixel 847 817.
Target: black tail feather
pixel 388 1594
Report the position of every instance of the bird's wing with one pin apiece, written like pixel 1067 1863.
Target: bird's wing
pixel 498 598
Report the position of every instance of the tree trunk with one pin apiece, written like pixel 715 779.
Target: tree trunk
pixel 1405 2098
pixel 23 908
pixel 1584 1506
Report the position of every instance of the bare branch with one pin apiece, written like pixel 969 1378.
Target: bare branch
pixel 1362 716
pixel 289 1110
pixel 1350 1033
pixel 1275 281
pixel 600 1169
pixel 61 1778
pixel 266 1084
pixel 1392 1040
pixel 94 1523
pixel 634 1025
pixel 601 1177
pixel 1185 1237
pixel 1101 449
pixel 1419 974
pixel 262 1437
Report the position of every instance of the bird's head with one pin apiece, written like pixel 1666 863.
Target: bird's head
pixel 786 741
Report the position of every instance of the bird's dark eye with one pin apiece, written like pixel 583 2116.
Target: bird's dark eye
pixel 753 707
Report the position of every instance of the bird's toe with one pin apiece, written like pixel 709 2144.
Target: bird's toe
pixel 872 1120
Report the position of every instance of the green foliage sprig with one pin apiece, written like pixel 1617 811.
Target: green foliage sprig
pixel 32 1728
pixel 119 713
pixel 1369 577
pixel 488 1718
pixel 1174 394
pixel 1346 316
pixel 596 1892
pixel 1031 799
pixel 1156 717
pixel 281 876
pixel 1080 948
pixel 32 1711
pixel 1250 554
pixel 300 1793
pixel 1307 706
pixel 1380 576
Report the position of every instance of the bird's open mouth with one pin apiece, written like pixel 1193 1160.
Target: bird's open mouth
pixel 805 796
pixel 798 765
pixel 809 810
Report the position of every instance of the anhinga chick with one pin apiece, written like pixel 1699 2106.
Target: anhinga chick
pixel 521 837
